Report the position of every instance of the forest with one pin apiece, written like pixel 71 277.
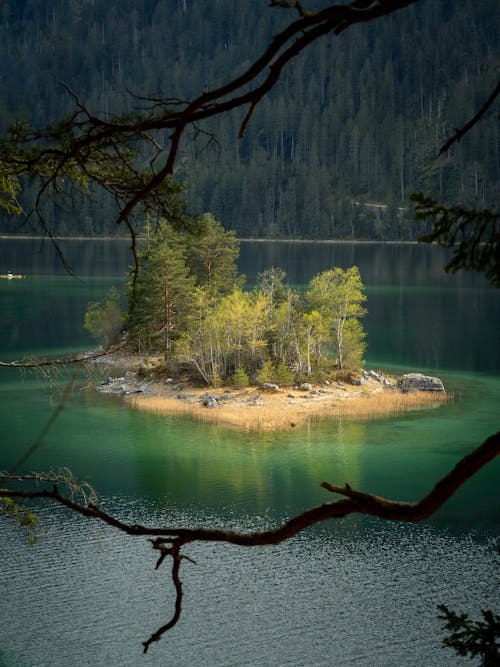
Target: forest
pixel 187 305
pixel 352 128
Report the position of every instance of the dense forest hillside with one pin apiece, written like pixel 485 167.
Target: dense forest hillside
pixel 334 151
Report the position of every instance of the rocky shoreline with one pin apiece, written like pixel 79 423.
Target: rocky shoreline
pixel 268 406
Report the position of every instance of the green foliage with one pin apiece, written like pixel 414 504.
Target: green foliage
pixel 473 235
pixel 473 638
pixel 240 378
pixel 277 373
pixel 212 254
pixel 272 283
pixel 187 301
pixel 160 301
pixel 216 380
pixel 9 187
pixel 104 319
pixel 266 373
pixel 283 376
pixel 182 279
pixel 22 516
pixel 338 297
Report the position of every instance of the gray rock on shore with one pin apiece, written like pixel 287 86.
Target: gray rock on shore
pixel 269 386
pixel 419 382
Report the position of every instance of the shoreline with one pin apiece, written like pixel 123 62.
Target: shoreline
pixel 266 408
pixel 36 237
pixel 266 413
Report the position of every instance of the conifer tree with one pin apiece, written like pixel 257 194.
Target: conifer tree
pixel 162 302
pixel 212 256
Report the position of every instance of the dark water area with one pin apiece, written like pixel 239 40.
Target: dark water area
pixel 353 592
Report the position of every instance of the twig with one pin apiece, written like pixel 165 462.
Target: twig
pixel 53 417
pixel 63 361
pixel 461 132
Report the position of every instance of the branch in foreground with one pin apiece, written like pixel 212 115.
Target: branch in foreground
pixel 170 540
pixel 85 148
pixel 473 236
pixel 64 361
pixel 461 132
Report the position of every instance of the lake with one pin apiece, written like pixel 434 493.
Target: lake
pixel 352 592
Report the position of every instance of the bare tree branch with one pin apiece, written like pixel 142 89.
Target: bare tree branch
pixel 170 540
pixel 459 133
pixel 64 361
pixel 53 417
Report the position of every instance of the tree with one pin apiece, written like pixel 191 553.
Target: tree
pixel 271 282
pixel 473 638
pixel 160 300
pixel 338 296
pixel 9 187
pixel 473 235
pixel 212 255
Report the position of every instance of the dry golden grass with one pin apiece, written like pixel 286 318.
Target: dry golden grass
pixel 279 412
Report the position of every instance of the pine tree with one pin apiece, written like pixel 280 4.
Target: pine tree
pixel 212 256
pixel 162 302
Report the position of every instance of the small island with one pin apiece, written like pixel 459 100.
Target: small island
pixel 268 407
pixel 267 358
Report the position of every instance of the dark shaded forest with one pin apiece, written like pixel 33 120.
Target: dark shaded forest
pixel 352 128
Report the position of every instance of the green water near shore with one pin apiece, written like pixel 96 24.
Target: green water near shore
pixel 104 599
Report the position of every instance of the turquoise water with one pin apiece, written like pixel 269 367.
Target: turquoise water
pixel 353 592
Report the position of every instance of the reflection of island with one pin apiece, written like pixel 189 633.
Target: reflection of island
pixel 213 470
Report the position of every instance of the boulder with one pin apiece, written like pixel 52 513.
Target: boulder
pixel 306 386
pixel 210 402
pixel 419 382
pixel 269 386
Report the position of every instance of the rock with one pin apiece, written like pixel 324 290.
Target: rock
pixel 290 396
pixel 168 381
pixel 306 386
pixel 182 396
pixel 380 378
pixel 210 402
pixel 269 386
pixel 419 382
pixel 254 401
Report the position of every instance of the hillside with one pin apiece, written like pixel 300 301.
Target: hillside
pixel 333 152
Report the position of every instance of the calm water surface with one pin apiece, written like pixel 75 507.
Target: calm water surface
pixel 354 592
